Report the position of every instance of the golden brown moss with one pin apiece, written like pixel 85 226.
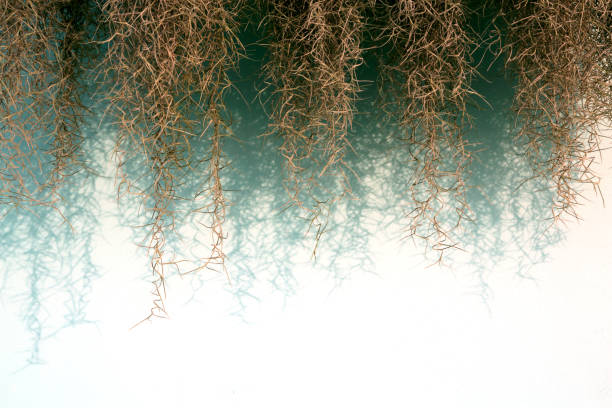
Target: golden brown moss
pixel 425 82
pixel 560 51
pixel 315 49
pixel 169 64
pixel 42 56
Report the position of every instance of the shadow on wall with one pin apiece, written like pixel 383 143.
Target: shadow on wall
pixel 510 230
pixel 51 268
pixel 48 269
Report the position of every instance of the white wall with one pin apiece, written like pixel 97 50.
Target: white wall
pixel 411 336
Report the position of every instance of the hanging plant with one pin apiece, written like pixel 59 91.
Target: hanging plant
pixel 168 63
pixel 164 71
pixel 43 54
pixel 315 50
pixel 426 84
pixel 560 52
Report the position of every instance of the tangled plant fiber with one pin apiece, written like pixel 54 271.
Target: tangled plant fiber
pixel 561 53
pixel 165 68
pixel 43 53
pixel 169 64
pixel 426 76
pixel 315 49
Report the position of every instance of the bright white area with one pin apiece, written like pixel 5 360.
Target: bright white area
pixel 409 337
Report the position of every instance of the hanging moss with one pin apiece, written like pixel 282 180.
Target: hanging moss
pixel 169 64
pixel 165 70
pixel 315 50
pixel 559 53
pixel 44 53
pixel 426 85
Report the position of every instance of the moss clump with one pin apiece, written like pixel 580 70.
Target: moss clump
pixel 426 84
pixel 560 52
pixel 165 68
pixel 315 50
pixel 169 63
pixel 44 53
